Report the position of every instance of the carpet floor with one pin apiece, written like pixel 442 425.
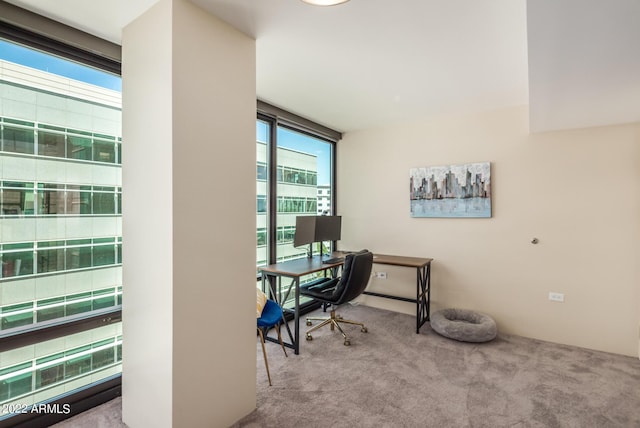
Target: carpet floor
pixel 392 377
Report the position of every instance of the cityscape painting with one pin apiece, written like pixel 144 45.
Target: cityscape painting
pixel 451 191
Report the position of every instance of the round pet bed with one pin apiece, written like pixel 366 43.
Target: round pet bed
pixel 464 325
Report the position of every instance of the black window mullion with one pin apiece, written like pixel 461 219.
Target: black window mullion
pixel 272 206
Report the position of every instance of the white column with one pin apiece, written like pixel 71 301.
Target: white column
pixel 189 161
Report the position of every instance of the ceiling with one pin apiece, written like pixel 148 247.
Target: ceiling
pixel 372 62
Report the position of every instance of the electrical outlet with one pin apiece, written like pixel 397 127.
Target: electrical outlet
pixel 556 297
pixel 381 275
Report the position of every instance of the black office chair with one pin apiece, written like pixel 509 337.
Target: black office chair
pixel 336 291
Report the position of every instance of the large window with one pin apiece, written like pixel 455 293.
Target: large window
pixel 303 182
pixel 61 238
pixel 263 144
pixel 304 163
pixel 295 176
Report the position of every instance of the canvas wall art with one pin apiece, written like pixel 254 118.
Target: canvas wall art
pixel 460 191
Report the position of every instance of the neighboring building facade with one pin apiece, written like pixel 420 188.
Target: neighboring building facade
pixel 61 232
pixel 324 200
pixel 297 178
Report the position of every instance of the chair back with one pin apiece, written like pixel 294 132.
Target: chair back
pixel 355 277
pixel 271 314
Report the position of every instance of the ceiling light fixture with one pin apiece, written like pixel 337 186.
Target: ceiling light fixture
pixel 325 2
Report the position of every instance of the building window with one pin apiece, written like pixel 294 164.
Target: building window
pixel 42 139
pixel 18 136
pixel 35 198
pixel 37 375
pixel 261 171
pixel 60 196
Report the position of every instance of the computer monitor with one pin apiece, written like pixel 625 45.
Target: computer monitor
pixel 311 229
pixel 305 230
pixel 328 228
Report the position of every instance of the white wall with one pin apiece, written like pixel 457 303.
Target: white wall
pixel 214 228
pixel 577 191
pixel 188 219
pixel 147 172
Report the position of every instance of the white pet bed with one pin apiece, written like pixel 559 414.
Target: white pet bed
pixel 464 325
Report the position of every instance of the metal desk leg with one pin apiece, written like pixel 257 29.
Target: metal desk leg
pixel 423 295
pixel 428 283
pixel 275 285
pixel 296 316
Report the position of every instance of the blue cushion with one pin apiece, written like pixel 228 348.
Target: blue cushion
pixel 271 314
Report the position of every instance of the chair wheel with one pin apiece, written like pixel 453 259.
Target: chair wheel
pixel 309 337
pixel 347 342
pixel 364 329
pixel 308 323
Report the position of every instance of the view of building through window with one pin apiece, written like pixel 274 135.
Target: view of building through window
pixel 306 164
pixel 303 187
pixel 61 221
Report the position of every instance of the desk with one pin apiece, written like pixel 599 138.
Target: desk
pixel 293 270
pixel 423 283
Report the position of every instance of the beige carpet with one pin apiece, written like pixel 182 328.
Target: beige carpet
pixel 392 377
pixel 108 415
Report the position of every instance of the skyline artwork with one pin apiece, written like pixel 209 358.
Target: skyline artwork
pixel 451 191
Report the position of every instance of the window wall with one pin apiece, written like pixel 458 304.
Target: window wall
pixel 303 166
pixel 61 229
pixel 294 175
pixel 305 162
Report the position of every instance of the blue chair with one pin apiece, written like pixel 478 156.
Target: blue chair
pixel 270 317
